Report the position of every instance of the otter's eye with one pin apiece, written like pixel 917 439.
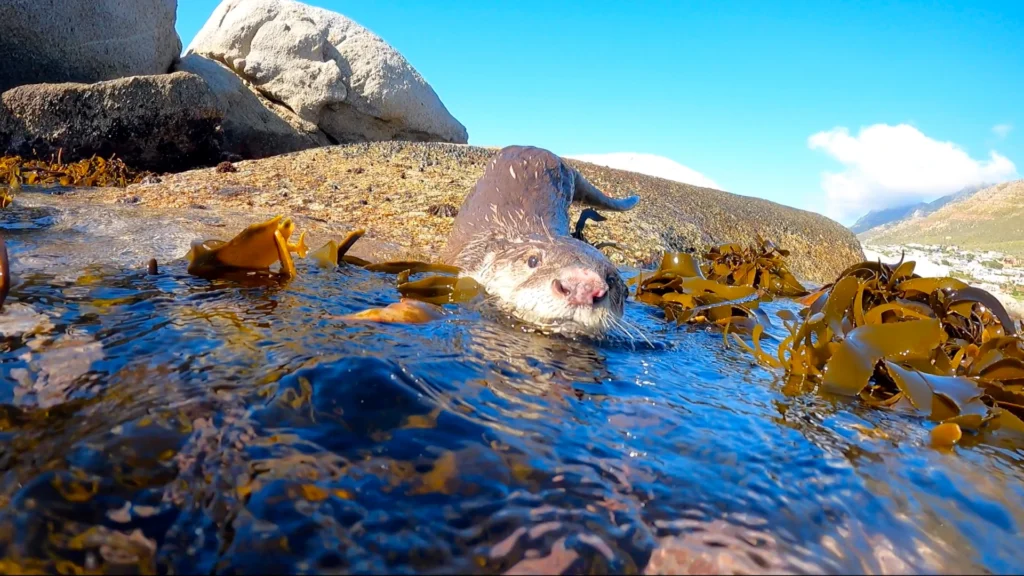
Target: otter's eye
pixel 533 262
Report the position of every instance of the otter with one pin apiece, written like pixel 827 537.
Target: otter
pixel 511 236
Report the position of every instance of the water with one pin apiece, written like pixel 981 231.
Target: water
pixel 172 424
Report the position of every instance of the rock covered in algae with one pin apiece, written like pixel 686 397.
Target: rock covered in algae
pixel 161 122
pixel 388 188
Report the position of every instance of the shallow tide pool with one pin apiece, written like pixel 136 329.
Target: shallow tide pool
pixel 169 424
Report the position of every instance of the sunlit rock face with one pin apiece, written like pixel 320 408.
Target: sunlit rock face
pixel 85 40
pixel 328 70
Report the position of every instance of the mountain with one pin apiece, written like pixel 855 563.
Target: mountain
pixel 989 219
pixel 876 218
pixel 651 165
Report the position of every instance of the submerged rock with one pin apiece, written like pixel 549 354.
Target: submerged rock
pixel 328 70
pixel 162 122
pixel 85 40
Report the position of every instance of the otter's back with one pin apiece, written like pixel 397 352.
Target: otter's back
pixel 523 190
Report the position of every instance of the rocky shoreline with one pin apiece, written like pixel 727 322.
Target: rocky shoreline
pixel 405 195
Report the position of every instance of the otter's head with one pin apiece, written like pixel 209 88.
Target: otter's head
pixel 557 283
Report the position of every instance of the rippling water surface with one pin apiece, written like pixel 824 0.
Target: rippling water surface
pixel 172 424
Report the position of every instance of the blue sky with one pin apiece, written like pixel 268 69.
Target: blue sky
pixel 754 95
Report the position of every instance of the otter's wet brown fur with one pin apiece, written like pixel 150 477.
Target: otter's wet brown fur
pixel 512 235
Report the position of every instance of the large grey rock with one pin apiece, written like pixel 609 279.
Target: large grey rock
pixel 327 69
pixel 85 40
pixel 253 126
pixel 167 122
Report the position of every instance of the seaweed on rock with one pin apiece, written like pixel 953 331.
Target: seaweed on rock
pixel 94 171
pixel 762 266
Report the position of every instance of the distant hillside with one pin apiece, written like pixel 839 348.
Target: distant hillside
pixel 990 219
pixel 876 218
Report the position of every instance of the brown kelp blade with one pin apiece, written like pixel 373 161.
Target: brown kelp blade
pixel 441 289
pixel 972 294
pixel 253 250
pixel 412 266
pixel 405 311
pixel 334 253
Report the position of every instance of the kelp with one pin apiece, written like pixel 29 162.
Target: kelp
pixel 252 250
pixel 894 339
pixel 442 287
pixel 95 171
pixel 761 265
pixel 405 311
pixel 333 253
pixel 438 289
pixel 681 290
pixel 880 333
pixel 726 289
pixel 946 434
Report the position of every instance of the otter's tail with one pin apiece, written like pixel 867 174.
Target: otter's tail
pixel 587 193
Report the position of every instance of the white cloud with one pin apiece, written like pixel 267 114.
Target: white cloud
pixel 889 166
pixel 1002 130
pixel 649 164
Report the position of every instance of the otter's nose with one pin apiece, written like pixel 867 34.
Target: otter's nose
pixel 580 287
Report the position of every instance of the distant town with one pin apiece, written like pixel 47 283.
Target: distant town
pixel 1000 274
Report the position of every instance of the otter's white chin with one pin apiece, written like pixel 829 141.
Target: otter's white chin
pixel 537 305
pixel 557 317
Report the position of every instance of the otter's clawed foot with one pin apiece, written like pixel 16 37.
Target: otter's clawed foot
pixel 586 214
pixel 591 214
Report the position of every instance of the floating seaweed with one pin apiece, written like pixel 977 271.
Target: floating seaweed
pixel 405 311
pixel 761 266
pixel 437 289
pixel 441 288
pixel 680 288
pixel 879 332
pixel 254 249
pixel 6 196
pixel 333 253
pixel 894 339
